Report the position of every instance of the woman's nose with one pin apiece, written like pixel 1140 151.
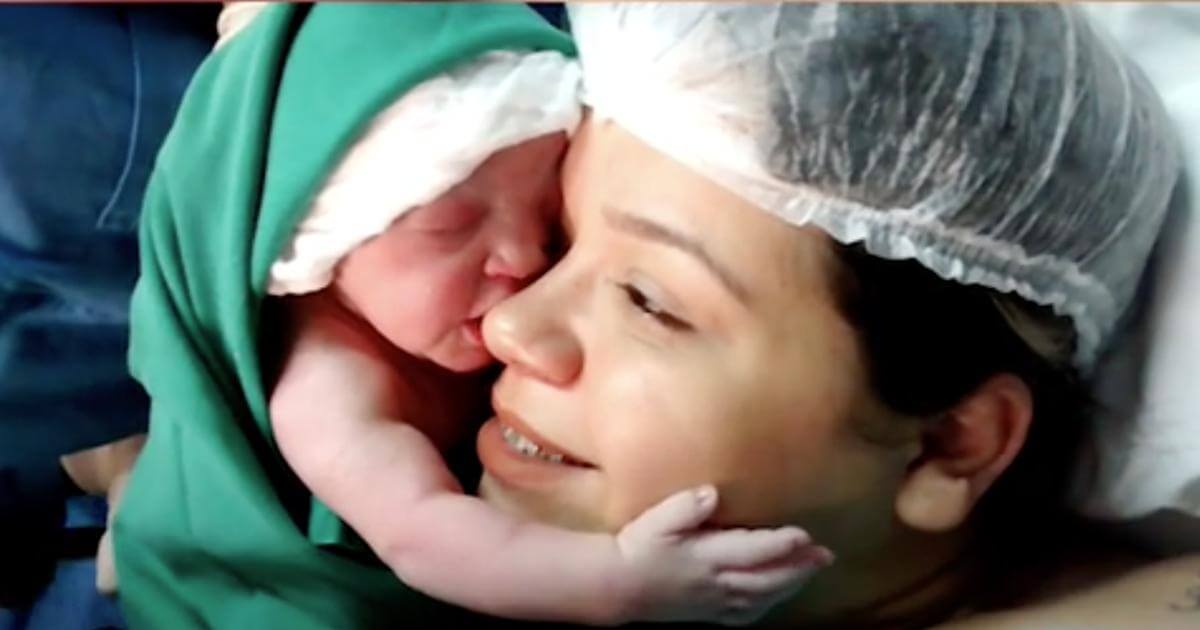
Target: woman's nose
pixel 530 332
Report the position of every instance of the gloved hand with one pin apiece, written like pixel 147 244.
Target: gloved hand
pixel 104 470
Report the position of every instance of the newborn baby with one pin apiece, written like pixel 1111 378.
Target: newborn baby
pixel 382 292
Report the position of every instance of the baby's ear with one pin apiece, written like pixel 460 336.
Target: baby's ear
pixel 964 453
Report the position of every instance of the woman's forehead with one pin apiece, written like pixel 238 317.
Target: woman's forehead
pixel 621 184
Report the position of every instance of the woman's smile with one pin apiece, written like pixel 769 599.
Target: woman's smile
pixel 515 454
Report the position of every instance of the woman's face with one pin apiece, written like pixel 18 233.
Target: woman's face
pixel 687 337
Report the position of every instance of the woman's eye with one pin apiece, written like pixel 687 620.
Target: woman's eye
pixel 645 304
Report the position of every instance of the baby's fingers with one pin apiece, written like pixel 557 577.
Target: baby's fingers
pixel 742 548
pixel 781 580
pixel 744 610
pixel 751 594
pixel 677 513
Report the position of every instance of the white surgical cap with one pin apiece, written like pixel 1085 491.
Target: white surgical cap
pixel 421 146
pixel 1005 146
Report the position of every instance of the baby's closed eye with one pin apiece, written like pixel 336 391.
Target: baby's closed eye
pixel 449 214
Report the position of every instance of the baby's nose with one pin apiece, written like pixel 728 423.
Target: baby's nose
pixel 519 252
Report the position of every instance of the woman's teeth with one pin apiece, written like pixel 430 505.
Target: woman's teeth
pixel 527 447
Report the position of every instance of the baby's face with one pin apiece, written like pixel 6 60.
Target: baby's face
pixel 426 283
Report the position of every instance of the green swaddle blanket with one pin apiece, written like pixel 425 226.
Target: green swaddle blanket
pixel 213 530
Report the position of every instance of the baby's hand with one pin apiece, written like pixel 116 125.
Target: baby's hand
pixel 679 572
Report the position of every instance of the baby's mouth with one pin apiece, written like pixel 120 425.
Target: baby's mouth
pixel 474 330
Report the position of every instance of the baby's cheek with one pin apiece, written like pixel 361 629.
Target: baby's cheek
pixel 457 288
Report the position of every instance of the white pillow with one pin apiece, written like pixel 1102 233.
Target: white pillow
pixel 1143 454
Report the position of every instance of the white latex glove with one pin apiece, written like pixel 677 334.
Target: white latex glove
pixel 234 17
pixel 106 568
pixel 104 471
pixel 682 572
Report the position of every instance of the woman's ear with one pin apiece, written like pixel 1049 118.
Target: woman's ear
pixel 963 454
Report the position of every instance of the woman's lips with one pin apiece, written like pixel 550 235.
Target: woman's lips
pixel 514 423
pixel 509 465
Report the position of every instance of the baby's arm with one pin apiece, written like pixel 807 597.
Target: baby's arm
pixel 336 416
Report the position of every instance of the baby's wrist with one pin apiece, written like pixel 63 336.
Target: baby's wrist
pixel 622 593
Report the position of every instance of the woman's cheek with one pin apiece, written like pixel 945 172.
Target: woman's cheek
pixel 644 447
pixel 660 441
pixel 756 446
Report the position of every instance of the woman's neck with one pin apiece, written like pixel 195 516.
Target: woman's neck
pixel 916 580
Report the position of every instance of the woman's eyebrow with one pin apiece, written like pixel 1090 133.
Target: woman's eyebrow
pixel 642 227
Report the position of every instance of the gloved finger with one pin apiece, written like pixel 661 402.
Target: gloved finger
pixel 106 572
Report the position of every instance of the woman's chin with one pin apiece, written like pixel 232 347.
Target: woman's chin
pixel 539 506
